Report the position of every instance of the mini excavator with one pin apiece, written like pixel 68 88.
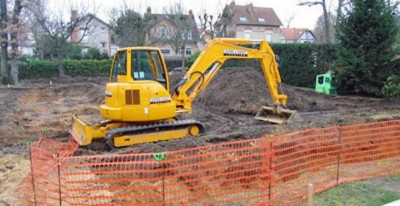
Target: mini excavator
pixel 139 108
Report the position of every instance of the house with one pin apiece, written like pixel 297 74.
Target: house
pixel 251 22
pixel 96 34
pixel 163 31
pixel 297 35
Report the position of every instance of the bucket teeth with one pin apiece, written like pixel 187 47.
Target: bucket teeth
pixel 275 115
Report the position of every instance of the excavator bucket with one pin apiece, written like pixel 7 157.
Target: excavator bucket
pixel 277 116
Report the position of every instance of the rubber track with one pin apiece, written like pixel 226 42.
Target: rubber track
pixel 161 125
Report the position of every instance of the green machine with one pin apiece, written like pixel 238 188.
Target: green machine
pixel 323 83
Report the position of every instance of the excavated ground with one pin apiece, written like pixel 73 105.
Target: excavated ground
pixel 226 108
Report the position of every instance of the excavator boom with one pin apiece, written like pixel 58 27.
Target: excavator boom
pixel 213 57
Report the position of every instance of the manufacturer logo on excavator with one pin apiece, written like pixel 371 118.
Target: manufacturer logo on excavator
pixel 159 99
pixel 228 52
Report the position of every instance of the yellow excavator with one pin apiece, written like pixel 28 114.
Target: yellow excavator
pixel 139 108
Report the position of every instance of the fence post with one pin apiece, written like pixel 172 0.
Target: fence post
pixel 163 182
pixel 310 192
pixel 59 177
pixel 338 156
pixel 28 143
pixel 269 160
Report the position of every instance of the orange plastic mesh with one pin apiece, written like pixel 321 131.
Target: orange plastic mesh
pixel 271 170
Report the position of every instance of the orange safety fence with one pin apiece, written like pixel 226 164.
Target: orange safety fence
pixel 271 170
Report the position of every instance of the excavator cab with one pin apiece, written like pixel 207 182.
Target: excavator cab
pixel 138 88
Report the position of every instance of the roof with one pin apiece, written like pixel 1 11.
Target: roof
pixel 92 16
pixel 294 33
pixel 155 18
pixel 252 15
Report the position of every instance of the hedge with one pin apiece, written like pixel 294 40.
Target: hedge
pixel 298 64
pixel 33 69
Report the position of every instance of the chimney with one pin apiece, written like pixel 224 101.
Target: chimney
pixel 233 4
pixel 148 10
pixel 190 14
pixel 250 8
pixel 75 30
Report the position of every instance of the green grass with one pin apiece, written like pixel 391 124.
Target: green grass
pixel 384 115
pixel 374 192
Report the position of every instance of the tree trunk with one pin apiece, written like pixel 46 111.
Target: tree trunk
pixel 61 65
pixel 327 23
pixel 4 68
pixel 338 14
pixel 14 42
pixel 14 70
pixel 4 43
pixel 183 57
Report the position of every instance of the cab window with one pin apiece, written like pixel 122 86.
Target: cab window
pixel 119 65
pixel 146 65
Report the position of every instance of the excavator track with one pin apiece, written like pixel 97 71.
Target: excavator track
pixel 131 135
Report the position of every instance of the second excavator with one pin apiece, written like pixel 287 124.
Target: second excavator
pixel 139 108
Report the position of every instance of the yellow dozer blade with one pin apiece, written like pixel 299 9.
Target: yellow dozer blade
pixel 84 132
pixel 275 114
pixel 81 132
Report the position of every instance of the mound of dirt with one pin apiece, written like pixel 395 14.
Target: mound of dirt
pixel 243 91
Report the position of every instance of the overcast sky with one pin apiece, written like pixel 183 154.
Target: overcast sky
pixel 304 16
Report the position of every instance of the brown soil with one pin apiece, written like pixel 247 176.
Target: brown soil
pixel 226 108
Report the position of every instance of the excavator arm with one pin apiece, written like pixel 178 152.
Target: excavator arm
pixel 210 61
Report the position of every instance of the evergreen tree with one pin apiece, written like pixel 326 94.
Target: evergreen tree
pixel 129 28
pixel 367 37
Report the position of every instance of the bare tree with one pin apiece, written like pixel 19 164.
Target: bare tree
pixel 4 42
pixel 53 31
pixel 319 30
pixel 17 34
pixel 327 22
pixel 213 27
pixel 288 20
pixel 328 17
pixel 180 32
pixel 13 32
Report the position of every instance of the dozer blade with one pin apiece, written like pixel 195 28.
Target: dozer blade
pixel 81 132
pixel 273 115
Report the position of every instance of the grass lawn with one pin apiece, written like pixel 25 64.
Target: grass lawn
pixel 373 192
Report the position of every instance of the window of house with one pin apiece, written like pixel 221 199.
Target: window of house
pixel 268 36
pixel 162 32
pixel 189 35
pixel 83 35
pixel 165 51
pixel 242 19
pixel 103 29
pixel 103 44
pixel 188 51
pixel 261 20
pixel 247 34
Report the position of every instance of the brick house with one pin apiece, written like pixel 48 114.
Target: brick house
pixel 251 22
pixel 297 35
